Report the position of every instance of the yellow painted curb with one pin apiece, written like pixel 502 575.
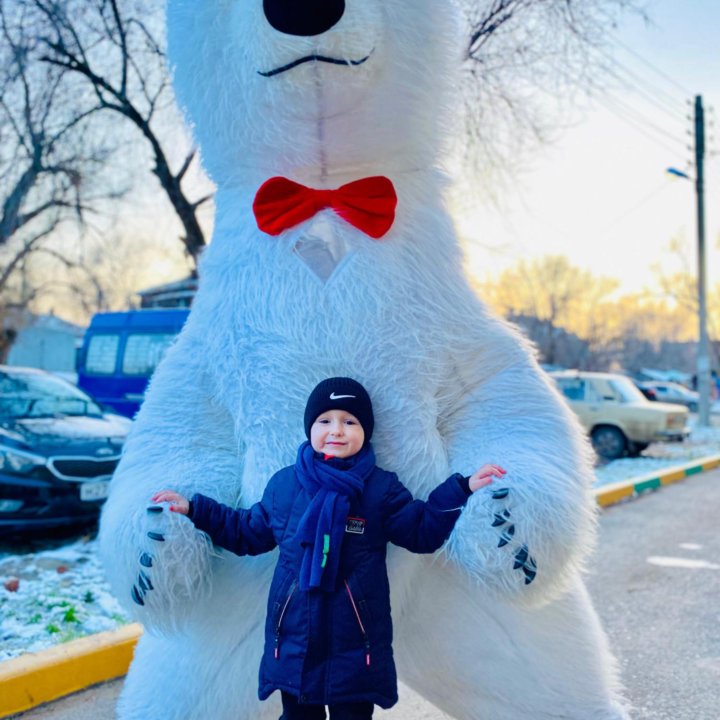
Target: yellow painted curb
pixel 615 492
pixel 36 678
pixel 672 477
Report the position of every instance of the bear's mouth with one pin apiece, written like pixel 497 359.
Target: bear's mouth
pixel 314 58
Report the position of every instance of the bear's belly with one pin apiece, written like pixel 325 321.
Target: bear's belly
pixel 275 377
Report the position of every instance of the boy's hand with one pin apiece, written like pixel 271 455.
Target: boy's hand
pixel 482 477
pixel 180 504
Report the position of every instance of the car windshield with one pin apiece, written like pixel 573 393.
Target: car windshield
pixel 626 389
pixel 33 395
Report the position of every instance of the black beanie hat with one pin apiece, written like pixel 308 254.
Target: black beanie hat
pixel 340 393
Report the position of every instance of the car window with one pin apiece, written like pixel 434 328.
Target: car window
pixel 42 395
pixel 572 388
pixel 102 354
pixel 593 393
pixel 626 390
pixel 143 352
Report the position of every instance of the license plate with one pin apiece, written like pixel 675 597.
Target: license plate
pixel 94 491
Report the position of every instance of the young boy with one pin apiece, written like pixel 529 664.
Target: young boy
pixel 328 631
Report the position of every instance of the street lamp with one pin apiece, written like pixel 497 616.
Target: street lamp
pixel 678 173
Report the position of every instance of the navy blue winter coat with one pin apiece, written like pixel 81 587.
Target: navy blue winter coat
pixel 333 647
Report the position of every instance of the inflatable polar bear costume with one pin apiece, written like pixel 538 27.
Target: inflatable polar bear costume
pixel 504 630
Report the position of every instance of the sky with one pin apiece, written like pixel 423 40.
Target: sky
pixel 600 193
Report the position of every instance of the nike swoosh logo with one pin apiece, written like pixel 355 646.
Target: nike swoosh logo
pixel 333 396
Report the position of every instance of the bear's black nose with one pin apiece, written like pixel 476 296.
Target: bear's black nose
pixel 303 17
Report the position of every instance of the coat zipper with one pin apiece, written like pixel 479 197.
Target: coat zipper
pixel 360 623
pixel 280 619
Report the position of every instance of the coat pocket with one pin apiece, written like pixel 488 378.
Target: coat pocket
pixel 279 611
pixel 360 612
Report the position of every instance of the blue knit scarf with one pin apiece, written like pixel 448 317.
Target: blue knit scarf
pixel 332 485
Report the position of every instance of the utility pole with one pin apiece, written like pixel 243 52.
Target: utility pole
pixel 703 357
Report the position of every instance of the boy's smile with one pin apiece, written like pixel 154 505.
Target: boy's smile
pixel 337 433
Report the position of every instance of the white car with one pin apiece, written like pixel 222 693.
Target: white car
pixel 670 392
pixel 618 417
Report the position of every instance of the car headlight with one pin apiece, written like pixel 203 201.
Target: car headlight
pixel 19 462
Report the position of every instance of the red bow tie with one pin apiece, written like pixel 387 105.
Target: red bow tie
pixel 368 204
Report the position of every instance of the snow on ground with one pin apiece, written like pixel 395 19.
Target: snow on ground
pixel 62 592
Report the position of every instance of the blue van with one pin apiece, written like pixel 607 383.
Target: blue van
pixel 120 352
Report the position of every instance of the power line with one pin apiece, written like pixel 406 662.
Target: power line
pixel 678 115
pixel 645 121
pixel 643 128
pixel 670 104
pixel 654 68
pixel 647 92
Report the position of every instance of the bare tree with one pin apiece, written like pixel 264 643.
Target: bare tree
pixel 523 58
pixel 115 47
pixel 680 286
pixel 518 51
pixel 50 162
pixel 561 298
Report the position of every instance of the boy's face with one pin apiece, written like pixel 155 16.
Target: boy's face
pixel 337 433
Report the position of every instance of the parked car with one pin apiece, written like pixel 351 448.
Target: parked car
pixel 619 418
pixel 120 352
pixel 58 449
pixel 649 393
pixel 673 393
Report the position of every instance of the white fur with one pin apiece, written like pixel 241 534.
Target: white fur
pixel 453 387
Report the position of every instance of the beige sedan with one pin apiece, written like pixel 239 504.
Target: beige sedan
pixel 618 417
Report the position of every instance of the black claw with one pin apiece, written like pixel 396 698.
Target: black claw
pixel 155 509
pixel 156 536
pixel 144 582
pixel 506 513
pixel 499 520
pixel 136 596
pixel 531 564
pixel 529 575
pixel 500 493
pixel 520 557
pixel 146 560
pixel 507 536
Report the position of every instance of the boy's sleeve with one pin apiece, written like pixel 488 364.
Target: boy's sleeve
pixel 422 527
pixel 242 531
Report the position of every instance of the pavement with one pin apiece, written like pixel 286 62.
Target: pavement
pixel 655 581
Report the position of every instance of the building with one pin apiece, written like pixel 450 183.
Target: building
pixel 46 342
pixel 178 294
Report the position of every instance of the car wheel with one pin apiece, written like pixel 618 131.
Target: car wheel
pixel 692 407
pixel 609 442
pixel 635 448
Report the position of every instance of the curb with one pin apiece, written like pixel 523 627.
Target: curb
pixel 616 492
pixel 36 678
